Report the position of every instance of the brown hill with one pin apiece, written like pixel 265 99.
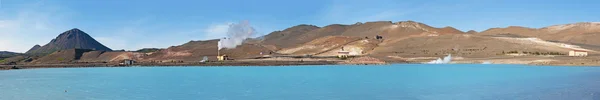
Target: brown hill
pixel 472 32
pixel 298 35
pixel 576 28
pixel 368 29
pixel 195 51
pixel 246 51
pixel 71 39
pixel 401 41
pixel 35 47
pixel 359 38
pixel 109 56
pixel 86 56
pixel 464 45
pixel 359 47
pixel 320 45
pixel 395 30
pixel 288 34
pixel 586 33
pixel 413 39
pixel 579 33
pixel 61 56
pixel 514 31
pixel 392 32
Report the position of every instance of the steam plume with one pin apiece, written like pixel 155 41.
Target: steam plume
pixel 236 34
pixel 446 60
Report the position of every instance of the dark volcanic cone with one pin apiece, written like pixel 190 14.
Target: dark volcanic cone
pixel 71 39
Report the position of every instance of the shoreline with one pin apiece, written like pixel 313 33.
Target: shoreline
pixel 531 61
pixel 236 64
pixel 199 64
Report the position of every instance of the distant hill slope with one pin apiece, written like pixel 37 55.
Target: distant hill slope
pixel 465 45
pixel 35 47
pixel 109 56
pixel 319 45
pixel 71 39
pixel 577 33
pixel 86 56
pixel 301 34
pixel 331 45
pixel 148 50
pixel 290 35
pixel 414 39
pixel 402 41
pixel 6 54
pixel 61 56
pixel 196 50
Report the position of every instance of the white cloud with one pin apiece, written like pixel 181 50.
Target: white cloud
pixel 5 44
pixel 31 25
pixel 4 24
pixel 216 31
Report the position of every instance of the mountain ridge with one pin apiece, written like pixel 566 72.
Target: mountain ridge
pixel 579 33
pixel 70 39
pixel 386 40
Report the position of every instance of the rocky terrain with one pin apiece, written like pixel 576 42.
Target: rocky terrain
pixel 195 51
pixel 586 33
pixel 366 43
pixel 71 39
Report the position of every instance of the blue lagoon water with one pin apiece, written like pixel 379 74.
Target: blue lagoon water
pixel 334 82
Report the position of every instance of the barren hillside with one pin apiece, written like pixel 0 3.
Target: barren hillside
pixel 71 39
pixel 401 41
pixel 319 45
pixel 61 56
pixel 196 50
pixel 586 33
pixel 465 45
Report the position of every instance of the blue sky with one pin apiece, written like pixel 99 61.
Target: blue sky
pixel 136 24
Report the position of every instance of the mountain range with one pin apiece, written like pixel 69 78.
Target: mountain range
pixel 399 42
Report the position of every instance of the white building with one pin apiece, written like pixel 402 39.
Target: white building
pixel 128 62
pixel 578 53
pixel 343 54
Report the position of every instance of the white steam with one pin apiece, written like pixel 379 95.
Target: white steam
pixel 486 62
pixel 236 34
pixel 445 60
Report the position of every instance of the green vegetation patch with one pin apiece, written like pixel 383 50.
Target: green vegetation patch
pixel 60 59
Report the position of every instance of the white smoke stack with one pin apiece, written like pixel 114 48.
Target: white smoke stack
pixel 236 34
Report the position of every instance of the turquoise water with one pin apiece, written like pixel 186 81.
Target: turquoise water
pixel 335 82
